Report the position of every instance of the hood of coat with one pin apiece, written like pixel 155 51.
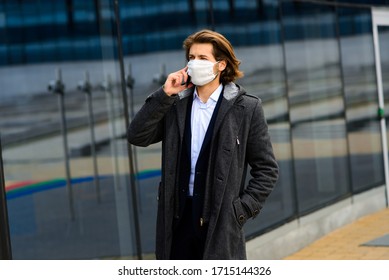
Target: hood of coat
pixel 231 91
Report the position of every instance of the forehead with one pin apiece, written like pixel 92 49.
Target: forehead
pixel 205 49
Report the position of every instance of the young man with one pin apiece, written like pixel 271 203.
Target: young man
pixel 210 130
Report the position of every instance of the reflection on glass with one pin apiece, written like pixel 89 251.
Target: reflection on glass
pixel 41 223
pixel 316 104
pixel 383 37
pixel 358 68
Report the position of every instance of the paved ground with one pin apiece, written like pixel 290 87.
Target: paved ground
pixel 346 243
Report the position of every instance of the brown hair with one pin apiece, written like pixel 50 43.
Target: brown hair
pixel 222 50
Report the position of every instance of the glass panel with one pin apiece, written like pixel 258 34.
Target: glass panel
pixel 90 215
pixel 358 68
pixel 3 45
pixel 316 104
pixel 383 37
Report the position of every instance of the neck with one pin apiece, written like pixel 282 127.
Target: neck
pixel 205 91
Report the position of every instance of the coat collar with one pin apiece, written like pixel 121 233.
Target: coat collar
pixel 231 91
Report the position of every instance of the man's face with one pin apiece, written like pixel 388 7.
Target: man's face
pixel 204 51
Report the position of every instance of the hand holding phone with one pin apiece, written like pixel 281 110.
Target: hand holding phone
pixel 177 81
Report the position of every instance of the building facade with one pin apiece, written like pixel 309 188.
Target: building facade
pixel 73 73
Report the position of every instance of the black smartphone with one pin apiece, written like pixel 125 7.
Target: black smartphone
pixel 187 81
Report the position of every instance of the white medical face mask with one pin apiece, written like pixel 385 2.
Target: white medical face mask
pixel 201 71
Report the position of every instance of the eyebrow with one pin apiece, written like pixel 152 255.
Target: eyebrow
pixel 201 55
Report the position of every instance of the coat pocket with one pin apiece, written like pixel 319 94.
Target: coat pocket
pixel 240 215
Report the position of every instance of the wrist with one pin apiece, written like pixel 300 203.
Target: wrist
pixel 167 92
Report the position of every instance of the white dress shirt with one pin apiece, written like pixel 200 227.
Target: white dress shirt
pixel 200 119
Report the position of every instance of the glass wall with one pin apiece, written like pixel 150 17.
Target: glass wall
pixel 316 103
pixel 75 206
pixel 383 37
pixel 70 188
pixel 361 98
pixel 35 34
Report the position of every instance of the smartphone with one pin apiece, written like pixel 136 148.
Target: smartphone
pixel 187 81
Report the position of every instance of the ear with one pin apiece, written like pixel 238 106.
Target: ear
pixel 222 65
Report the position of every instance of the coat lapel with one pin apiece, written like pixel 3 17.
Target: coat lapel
pixel 230 94
pixel 225 107
pixel 181 107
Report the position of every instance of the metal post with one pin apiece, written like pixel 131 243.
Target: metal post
pixel 57 87
pixel 86 87
pixel 211 14
pixel 130 81
pixel 107 86
pixel 5 237
pixel 127 123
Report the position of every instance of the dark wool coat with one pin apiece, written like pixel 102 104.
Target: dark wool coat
pixel 240 137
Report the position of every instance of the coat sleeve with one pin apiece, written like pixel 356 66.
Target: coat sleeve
pixel 148 124
pixel 264 168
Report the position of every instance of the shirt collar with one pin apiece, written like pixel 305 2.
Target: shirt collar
pixel 214 96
